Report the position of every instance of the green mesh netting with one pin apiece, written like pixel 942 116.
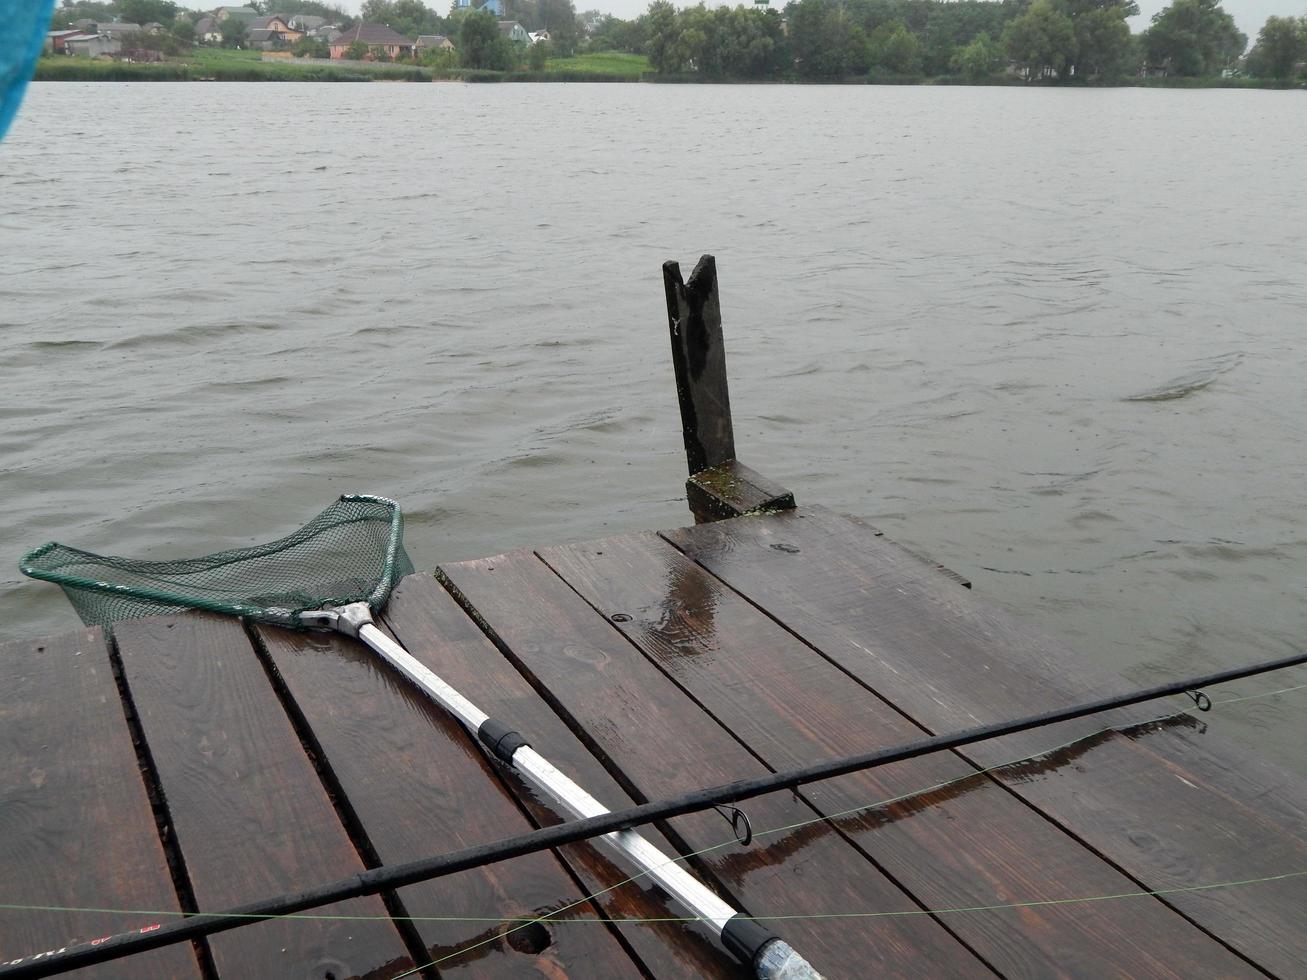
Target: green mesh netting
pixel 352 552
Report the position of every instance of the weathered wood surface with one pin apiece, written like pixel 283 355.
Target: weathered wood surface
pixel 417 784
pixel 643 666
pixel 699 360
pixel 1177 810
pixel 76 827
pixel 970 844
pixel 949 660
pixel 250 815
pixel 731 489
pixel 943 656
pixel 659 743
pixel 438 633
pixel 719 486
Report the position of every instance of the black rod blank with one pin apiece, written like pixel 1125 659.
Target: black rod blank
pixel 396 876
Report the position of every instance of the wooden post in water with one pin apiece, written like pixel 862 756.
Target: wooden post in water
pixel 719 486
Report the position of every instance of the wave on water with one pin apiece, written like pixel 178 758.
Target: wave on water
pixel 1203 375
pixel 191 335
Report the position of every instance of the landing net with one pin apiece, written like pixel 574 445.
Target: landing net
pixel 352 552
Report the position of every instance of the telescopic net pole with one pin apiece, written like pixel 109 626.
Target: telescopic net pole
pixel 767 955
pixel 332 574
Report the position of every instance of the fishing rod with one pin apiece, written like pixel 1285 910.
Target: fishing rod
pixel 396 876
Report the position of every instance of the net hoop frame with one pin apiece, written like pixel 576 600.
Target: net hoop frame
pixel 376 599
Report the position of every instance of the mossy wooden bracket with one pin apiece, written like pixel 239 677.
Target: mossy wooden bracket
pixel 719 486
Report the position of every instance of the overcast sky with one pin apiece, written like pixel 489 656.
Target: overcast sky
pixel 1250 15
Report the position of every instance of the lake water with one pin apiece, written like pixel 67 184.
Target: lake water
pixel 1051 338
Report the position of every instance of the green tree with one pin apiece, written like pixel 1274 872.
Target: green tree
pixel 357 51
pixel 752 42
pixel 184 31
pixel 613 34
pixel 439 58
pixel 662 37
pixel 949 27
pixel 1281 45
pixel 1041 40
pixel 894 49
pixel 147 11
pixel 480 44
pixel 538 56
pixel 981 59
pixel 826 41
pixel 234 31
pixel 1103 47
pixel 311 47
pixel 407 17
pixel 558 17
pixel 1193 38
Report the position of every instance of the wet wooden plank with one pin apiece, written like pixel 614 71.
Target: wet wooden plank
pixel 438 632
pixel 694 318
pixel 942 655
pixel 251 817
pixel 730 489
pixel 1181 810
pixel 661 743
pixel 949 660
pixel 970 845
pixel 418 786
pixel 76 827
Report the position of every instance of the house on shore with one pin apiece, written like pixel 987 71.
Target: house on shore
pixel 207 30
pixel 432 42
pixel 539 36
pixel 267 33
pixel 92 45
pixel 55 40
pixel 379 39
pixel 120 30
pixel 306 22
pixel 514 31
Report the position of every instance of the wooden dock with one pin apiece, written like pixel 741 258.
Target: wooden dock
pixel 191 763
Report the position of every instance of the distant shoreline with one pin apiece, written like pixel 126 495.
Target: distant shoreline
pixel 67 69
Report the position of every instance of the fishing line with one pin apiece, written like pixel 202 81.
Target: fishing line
pixel 644 920
pixel 1199 703
pixel 400 875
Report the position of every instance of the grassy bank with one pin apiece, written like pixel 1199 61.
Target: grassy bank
pixel 221 65
pixel 218 64
pixel 603 63
pixel 207 64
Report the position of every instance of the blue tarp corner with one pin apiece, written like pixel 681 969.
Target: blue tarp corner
pixel 25 23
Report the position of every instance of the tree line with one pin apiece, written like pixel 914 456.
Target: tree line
pixel 1055 40
pixel 1068 41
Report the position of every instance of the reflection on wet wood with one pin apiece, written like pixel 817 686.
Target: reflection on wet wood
pixel 76 827
pixel 948 661
pixel 644 666
pixel 251 817
pixel 441 635
pixel 976 845
pixel 1177 809
pixel 659 742
pixel 945 657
